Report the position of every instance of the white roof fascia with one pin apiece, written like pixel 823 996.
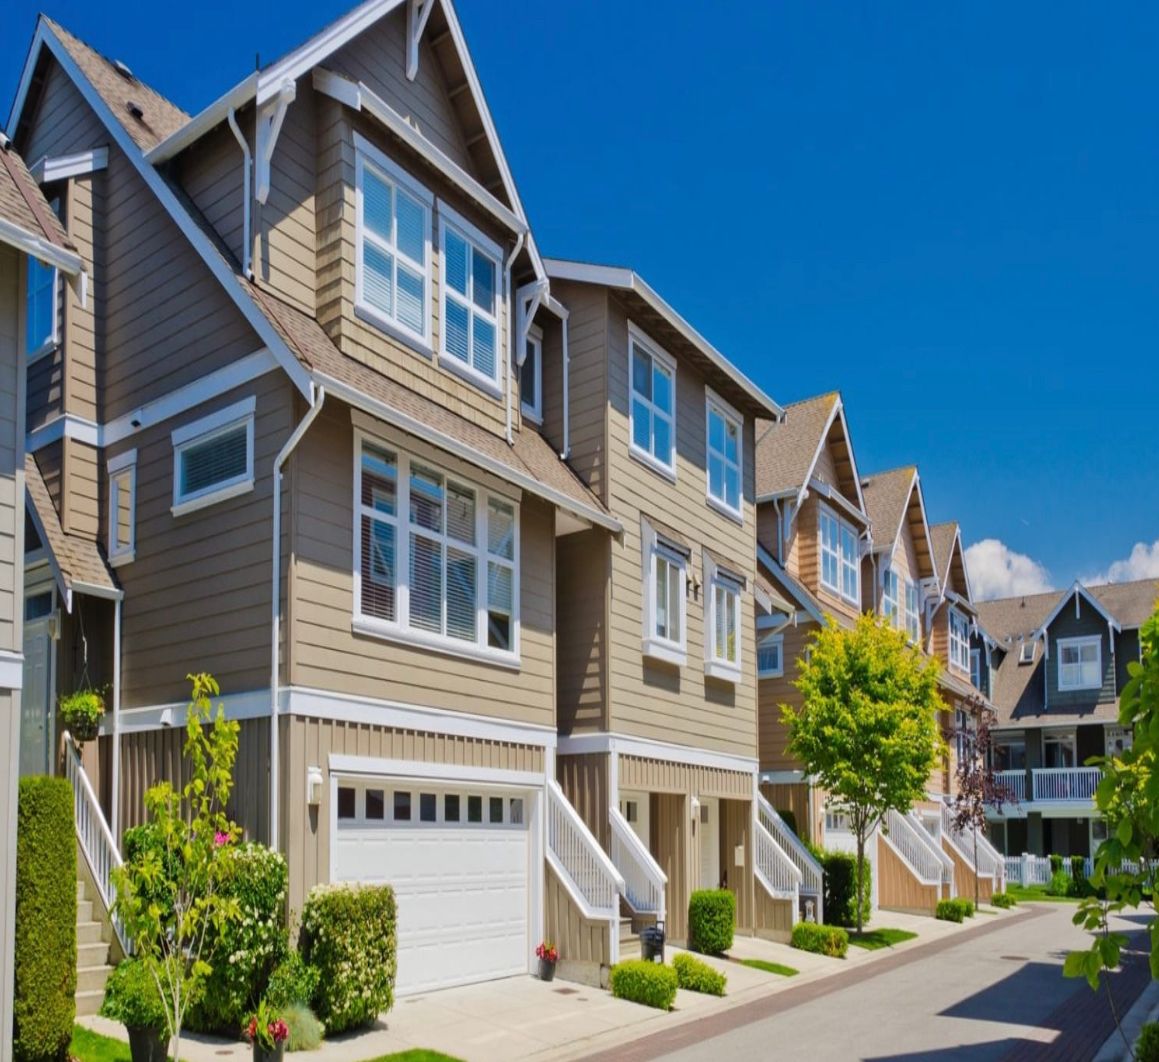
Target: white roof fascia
pixel 57 574
pixel 628 280
pixel 852 455
pixel 201 243
pixel 1081 590
pixel 41 249
pixel 917 485
pixel 26 75
pixel 202 122
pixel 767 559
pixel 809 483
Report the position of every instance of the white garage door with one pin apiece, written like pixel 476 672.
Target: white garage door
pixel 458 859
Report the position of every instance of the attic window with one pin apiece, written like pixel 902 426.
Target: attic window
pixel 1026 653
pixel 123 70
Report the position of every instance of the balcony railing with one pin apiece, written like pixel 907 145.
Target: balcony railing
pixel 1066 783
pixel 1014 782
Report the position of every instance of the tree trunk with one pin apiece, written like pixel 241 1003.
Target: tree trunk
pixel 857 879
pixel 977 883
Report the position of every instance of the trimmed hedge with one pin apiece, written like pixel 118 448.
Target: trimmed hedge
pixel 650 983
pixel 694 975
pixel 821 940
pixel 348 935
pixel 131 997
pixel 292 982
pixel 711 920
pixel 44 1004
pixel 841 888
pixel 1147 1046
pixel 1003 900
pixel 957 910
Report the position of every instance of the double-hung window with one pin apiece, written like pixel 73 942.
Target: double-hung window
pixel 41 303
pixel 1080 663
pixel 840 557
pixel 724 432
pixel 436 558
pixel 531 377
pixel 393 272
pixel 665 570
pixel 470 300
pixel 959 641
pixel 770 655
pixel 213 458
pixel 976 668
pixel 652 411
pixel 912 623
pixel 724 601
pixel 122 505
pixel 890 595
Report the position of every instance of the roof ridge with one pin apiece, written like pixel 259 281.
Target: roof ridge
pixel 889 472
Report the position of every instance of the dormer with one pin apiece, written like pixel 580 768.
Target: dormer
pixel 1078 643
pixel 953 616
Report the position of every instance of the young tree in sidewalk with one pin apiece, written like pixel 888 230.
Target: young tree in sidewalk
pixel 867 729
pixel 978 787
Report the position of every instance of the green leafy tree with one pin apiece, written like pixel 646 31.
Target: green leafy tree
pixel 867 728
pixel 169 897
pixel 1128 798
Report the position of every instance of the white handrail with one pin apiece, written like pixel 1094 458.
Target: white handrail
pixel 96 840
pixel 935 846
pixel 775 870
pixel 963 841
pixel 906 838
pixel 812 876
pixel 645 883
pixel 1014 782
pixel 1065 783
pixel 576 856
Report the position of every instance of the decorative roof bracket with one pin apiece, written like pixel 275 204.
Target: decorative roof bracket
pixel 271 115
pixel 417 13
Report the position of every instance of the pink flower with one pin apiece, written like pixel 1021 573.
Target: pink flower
pixel 220 839
pixel 278 1031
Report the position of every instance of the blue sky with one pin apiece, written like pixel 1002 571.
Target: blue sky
pixel 951 213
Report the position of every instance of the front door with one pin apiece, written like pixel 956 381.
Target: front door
pixel 36 699
pixel 709 823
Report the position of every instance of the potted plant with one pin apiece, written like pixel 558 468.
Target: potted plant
pixel 132 998
pixel 548 957
pixel 268 1033
pixel 82 712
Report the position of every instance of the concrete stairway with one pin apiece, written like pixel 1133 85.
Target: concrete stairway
pixel 92 953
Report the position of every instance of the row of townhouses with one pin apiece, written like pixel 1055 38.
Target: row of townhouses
pixel 503 568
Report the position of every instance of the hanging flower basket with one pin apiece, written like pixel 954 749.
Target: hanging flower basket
pixel 82 713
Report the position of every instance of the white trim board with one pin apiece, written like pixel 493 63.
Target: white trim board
pixel 376 767
pixel 254 704
pixel 63 426
pixel 39 248
pixel 646 748
pixel 64 166
pixel 11 669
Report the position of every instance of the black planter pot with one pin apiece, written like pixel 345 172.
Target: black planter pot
pixel 83 730
pixel 546 970
pixel 148 1045
pixel 269 1054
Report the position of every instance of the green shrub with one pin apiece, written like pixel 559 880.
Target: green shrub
pixel 1079 887
pixel 821 940
pixel 292 982
pixel 644 982
pixel 1059 884
pixel 1003 900
pixel 840 888
pixel 789 819
pixel 967 906
pixel 243 953
pixel 1055 863
pixel 694 975
pixel 144 845
pixel 132 998
pixel 348 935
pixel 711 920
pixel 44 1003
pixel 1147 1046
pixel 306 1031
pixel 951 910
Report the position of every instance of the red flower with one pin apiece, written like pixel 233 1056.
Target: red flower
pixel 547 952
pixel 251 1030
pixel 278 1031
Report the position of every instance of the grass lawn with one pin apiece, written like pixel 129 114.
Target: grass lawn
pixel 416 1054
pixel 1036 892
pixel 769 967
pixel 88 1046
pixel 873 939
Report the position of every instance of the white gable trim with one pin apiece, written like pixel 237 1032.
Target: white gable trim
pixel 838 410
pixel 40 248
pixel 789 583
pixel 64 166
pixel 1087 596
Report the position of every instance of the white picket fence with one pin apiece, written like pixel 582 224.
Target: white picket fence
pixel 1028 869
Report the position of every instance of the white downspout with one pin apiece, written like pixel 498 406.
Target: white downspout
pixel 566 373
pixel 275 601
pixel 115 815
pixel 247 169
pixel 510 335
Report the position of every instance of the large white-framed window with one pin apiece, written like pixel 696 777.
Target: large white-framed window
pixel 959 641
pixel 392 280
pixel 436 559
pixel 722 650
pixel 976 668
pixel 652 406
pixel 665 567
pixel 1080 663
pixel 770 654
pixel 213 458
pixel 840 556
pixel 122 471
pixel 531 376
pixel 41 316
pixel 724 430
pixel 891 597
pixel 469 301
pixel 913 628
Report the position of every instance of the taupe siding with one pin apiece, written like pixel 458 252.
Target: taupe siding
pixel 796 797
pixel 898 889
pixel 50 461
pixel 772 693
pixel 588 381
pixel 211 174
pixel 582 561
pixel 577 939
pixel 636 772
pixel 671 842
pixel 84 200
pixel 774 918
pixel 805 554
pixel 736 822
pixel 552 427
pixel 45 388
pixel 584 781
pixel 82 512
pixel 326 652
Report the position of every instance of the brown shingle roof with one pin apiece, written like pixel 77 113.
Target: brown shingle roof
pixel 942 538
pixel 785 450
pixel 23 205
pixel 1011 617
pixel 1132 604
pixel 886 497
pixel 78 559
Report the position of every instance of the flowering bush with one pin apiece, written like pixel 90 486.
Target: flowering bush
pixel 348 935
pixel 266 1028
pixel 547 951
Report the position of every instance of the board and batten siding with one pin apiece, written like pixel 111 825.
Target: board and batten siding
pixel 327 654
pixel 897 888
pixel 585 782
pixel 578 939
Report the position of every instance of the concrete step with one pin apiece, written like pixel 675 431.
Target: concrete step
pixel 92 979
pixel 84 911
pixel 89 932
pixel 89 1002
pixel 80 889
pixel 626 931
pixel 630 949
pixel 92 956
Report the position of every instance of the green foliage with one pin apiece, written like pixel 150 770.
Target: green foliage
pixel 292 981
pixel 789 819
pixel 1003 900
pixel 243 953
pixel 644 982
pixel 822 940
pixel 840 888
pixel 132 998
pixel 769 967
pixel 45 950
pixel 306 1031
pixel 82 713
pixel 875 939
pixel 867 728
pixel 1059 884
pixel 711 920
pixel 348 935
pixel 957 910
pixel 1055 864
pixel 1147 1046
pixel 695 975
pixel 169 895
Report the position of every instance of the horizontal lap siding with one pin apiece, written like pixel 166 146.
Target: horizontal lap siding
pixel 82 515
pixel 50 461
pixel 81 323
pixel 328 655
pixel 582 566
pixel 808 552
pixel 1067 625
pixel 12 469
pixel 211 174
pixel 587 330
pixel 772 693
pixel 63 123
pixel 45 389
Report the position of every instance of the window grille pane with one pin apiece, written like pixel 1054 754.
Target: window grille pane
pixel 375 804
pixel 641 425
pixel 732 487
pixel 455 262
pixel 40 304
pixel 378 278
pixel 379 480
pixel 641 373
pixel 732 443
pixel 451 807
pixel 457 326
pixel 426 499
pixel 376 205
pixel 426 584
pixel 412 228
pixel 501 529
pixel 401 807
pixel 499 631
pixel 500 605
pixel 715 431
pixel 661 597
pixel 662 434
pixel 428 807
pixel 461 513
pixel 378 569
pixel 516 805
pixel 495 809
pixel 661 389
pixel 483 275
pixel 217 460
pixel 474 809
pixel 484 346
pixel 345 802
pixel 411 297
pixel 462 597
pixel 675 592
pixel 122 484
pixel 715 476
pixel 527 375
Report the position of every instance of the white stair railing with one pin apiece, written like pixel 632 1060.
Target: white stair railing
pixel 579 860
pixel 96 839
pixel 935 846
pixel 914 846
pixel 812 877
pixel 775 870
pixel 645 884
pixel 963 840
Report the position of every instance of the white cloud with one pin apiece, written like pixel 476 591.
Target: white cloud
pixel 1143 563
pixel 998 571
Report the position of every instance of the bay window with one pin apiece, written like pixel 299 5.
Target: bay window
pixel 840 557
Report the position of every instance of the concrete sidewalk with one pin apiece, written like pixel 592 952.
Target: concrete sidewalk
pixel 523 1018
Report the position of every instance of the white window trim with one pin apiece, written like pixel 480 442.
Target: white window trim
pixel 897 618
pixel 367 154
pixel 825 510
pixel 714 403
pixel 715 666
pixel 671 652
pixel 914 635
pixel 962 665
pixel 637 335
pixel 533 410
pixel 203 430
pixel 779 641
pixel 449 218
pixel 123 462
pixel 402 632
pixel 53 341
pixel 1078 642
pixel 976 655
